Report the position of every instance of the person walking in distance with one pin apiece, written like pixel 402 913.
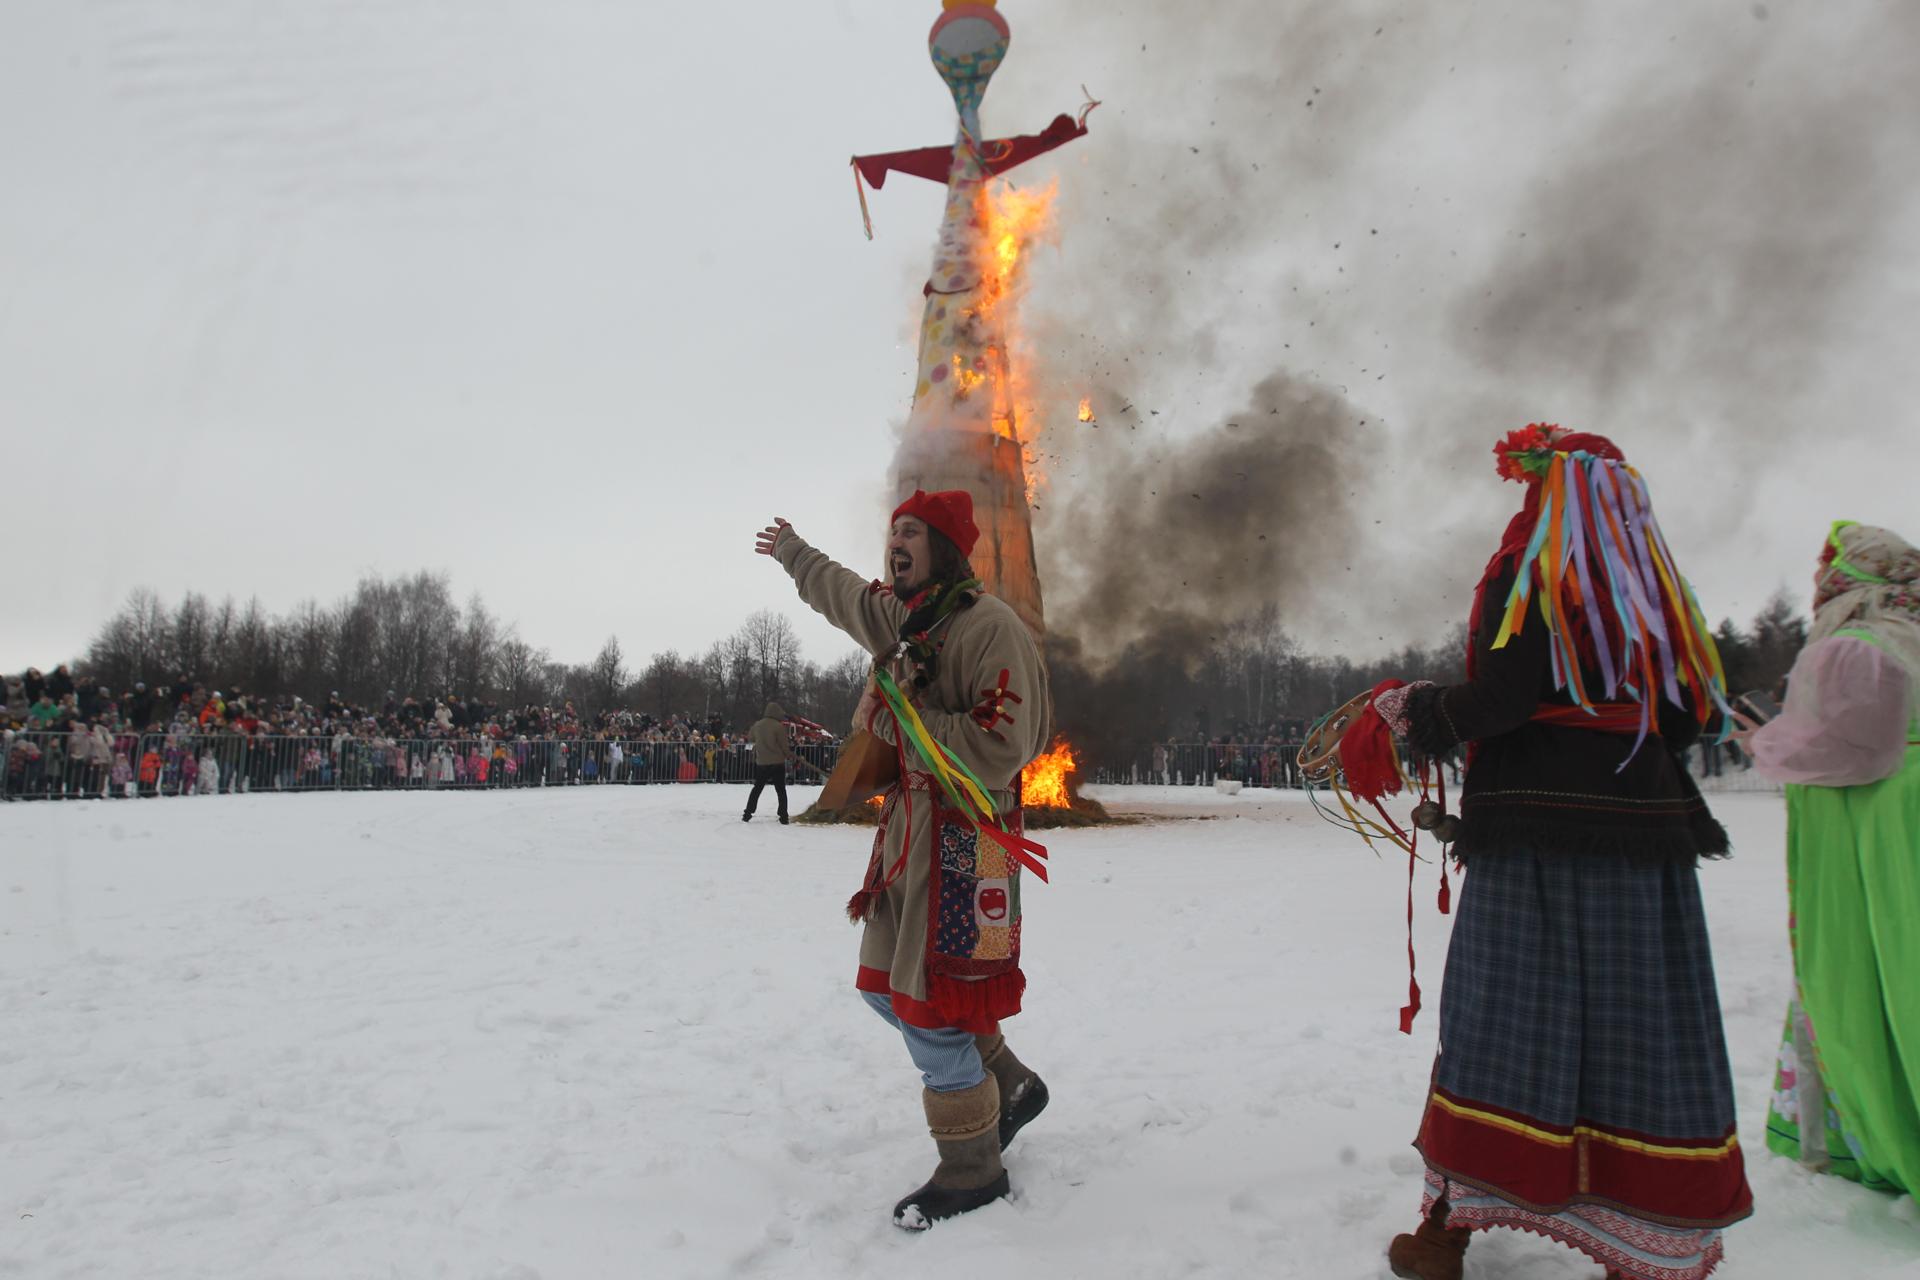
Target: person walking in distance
pixel 771 755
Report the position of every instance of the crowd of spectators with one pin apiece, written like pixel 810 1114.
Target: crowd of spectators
pixel 67 738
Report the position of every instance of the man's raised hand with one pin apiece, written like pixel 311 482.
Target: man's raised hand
pixel 764 540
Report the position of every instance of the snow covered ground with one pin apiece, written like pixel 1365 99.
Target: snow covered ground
pixel 610 1033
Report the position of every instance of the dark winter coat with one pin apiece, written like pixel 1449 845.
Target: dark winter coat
pixel 1550 788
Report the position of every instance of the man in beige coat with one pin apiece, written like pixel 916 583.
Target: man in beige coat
pixel 940 954
pixel 771 755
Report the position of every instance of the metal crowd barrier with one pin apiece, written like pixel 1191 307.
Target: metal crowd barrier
pixel 1200 764
pixel 47 765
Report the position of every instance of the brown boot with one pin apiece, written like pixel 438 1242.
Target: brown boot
pixel 965 1127
pixel 1023 1095
pixel 1434 1251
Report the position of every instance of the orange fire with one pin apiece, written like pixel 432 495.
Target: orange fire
pixel 1013 219
pixel 1043 784
pixel 1086 408
pixel 964 378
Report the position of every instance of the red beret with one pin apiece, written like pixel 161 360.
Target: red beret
pixel 950 511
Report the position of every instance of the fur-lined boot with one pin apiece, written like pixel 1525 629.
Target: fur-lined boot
pixel 965 1128
pixel 1023 1095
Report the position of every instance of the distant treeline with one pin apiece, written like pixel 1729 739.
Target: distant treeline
pixel 408 636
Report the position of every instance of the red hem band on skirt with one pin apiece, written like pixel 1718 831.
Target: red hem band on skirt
pixel 1692 1183
pixel 972 1006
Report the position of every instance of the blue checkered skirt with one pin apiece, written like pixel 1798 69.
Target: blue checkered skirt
pixel 1580 988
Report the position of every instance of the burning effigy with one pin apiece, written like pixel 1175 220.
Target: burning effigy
pixel 972 400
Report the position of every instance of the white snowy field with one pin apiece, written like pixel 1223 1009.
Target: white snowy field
pixel 611 1033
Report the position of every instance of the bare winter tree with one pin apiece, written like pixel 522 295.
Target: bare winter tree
pixel 841 684
pixel 255 658
pixel 355 631
pixel 520 670
pixel 220 627
pixel 193 637
pixel 774 649
pixel 554 681
pixel 662 682
pixel 473 658
pixel 606 676
pixel 134 642
pixel 308 634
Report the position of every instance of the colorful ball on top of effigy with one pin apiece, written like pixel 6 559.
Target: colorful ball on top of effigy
pixel 968 42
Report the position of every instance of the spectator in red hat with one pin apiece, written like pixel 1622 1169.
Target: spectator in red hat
pixel 940 955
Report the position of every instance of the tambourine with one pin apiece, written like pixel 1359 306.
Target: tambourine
pixel 1319 755
pixel 1319 761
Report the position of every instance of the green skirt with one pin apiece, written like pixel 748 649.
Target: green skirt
pixel 1853 882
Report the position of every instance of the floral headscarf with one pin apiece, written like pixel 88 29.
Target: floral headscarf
pixel 1870 579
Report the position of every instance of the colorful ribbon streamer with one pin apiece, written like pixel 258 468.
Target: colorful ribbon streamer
pixel 964 790
pixel 1597 557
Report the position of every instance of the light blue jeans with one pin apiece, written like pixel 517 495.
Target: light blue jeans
pixel 947 1058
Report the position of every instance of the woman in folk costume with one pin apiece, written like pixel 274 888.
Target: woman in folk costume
pixel 959 688
pixel 1848 745
pixel 1581 1089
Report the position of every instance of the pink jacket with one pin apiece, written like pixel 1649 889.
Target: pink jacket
pixel 1847 721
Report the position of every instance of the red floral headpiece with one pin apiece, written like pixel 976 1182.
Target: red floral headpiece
pixel 1522 456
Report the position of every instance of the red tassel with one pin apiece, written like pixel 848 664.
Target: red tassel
pixel 860 905
pixel 1446 890
pixel 1366 752
pixel 1412 1009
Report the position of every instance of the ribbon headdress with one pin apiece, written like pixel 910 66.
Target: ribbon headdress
pixel 1593 561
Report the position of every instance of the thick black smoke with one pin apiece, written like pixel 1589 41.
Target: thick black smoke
pixel 1674 227
pixel 1164 544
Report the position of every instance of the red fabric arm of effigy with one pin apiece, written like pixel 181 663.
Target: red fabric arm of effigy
pixel 1001 154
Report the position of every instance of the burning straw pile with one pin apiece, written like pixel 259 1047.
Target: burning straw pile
pixel 1049 789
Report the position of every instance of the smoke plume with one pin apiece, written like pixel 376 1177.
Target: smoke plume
pixel 1315 259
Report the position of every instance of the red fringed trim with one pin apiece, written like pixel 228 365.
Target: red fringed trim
pixel 1001 993
pixel 980 1002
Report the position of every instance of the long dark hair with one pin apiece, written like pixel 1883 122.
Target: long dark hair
pixel 950 568
pixel 949 565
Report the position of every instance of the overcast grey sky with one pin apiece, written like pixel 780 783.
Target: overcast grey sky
pixel 566 298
